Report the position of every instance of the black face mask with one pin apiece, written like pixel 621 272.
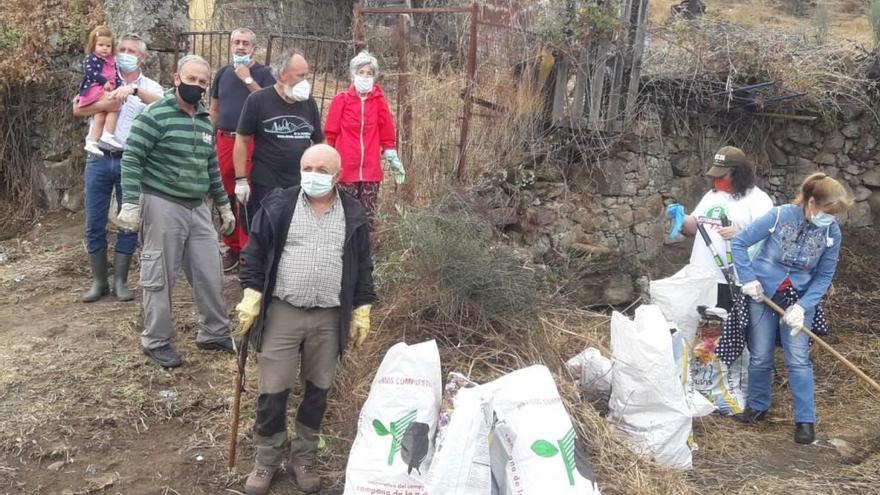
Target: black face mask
pixel 190 93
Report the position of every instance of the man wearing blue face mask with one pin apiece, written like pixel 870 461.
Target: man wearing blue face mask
pixel 308 286
pixel 103 173
pixel 794 267
pixel 232 85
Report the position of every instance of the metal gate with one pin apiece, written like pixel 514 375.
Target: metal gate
pixel 327 58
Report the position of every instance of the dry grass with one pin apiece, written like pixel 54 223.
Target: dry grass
pixel 849 19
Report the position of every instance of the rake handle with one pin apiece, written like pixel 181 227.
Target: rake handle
pixel 825 345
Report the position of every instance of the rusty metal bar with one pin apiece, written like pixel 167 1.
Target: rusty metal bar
pixel 176 49
pixel 423 10
pixel 272 38
pixel 469 90
pixel 358 32
pixel 404 106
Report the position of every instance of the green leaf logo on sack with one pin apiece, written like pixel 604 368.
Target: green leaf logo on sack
pixel 565 445
pixel 396 429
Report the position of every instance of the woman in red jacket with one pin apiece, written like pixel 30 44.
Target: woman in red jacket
pixel 361 128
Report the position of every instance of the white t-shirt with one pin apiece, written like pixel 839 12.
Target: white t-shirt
pixel 133 106
pixel 741 212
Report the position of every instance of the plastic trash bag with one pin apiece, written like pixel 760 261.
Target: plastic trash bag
pixel 648 402
pixel 395 437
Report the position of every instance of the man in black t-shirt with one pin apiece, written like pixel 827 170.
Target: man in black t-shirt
pixel 232 85
pixel 283 120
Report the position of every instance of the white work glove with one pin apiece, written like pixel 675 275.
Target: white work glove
pixel 129 217
pixel 754 290
pixel 396 166
pixel 242 190
pixel 794 318
pixel 227 219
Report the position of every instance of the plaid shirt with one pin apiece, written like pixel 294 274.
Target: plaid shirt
pixel 310 269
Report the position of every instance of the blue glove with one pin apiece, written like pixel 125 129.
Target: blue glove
pixel 675 212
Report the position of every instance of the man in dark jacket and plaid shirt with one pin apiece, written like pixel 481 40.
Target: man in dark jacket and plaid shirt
pixel 307 274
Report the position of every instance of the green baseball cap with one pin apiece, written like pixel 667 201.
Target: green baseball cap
pixel 727 158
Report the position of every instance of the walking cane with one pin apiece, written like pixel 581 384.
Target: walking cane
pixel 825 345
pixel 241 360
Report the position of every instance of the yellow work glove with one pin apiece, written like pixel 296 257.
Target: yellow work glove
pixel 360 325
pixel 246 312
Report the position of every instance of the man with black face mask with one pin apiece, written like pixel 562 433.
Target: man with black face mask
pixel 168 168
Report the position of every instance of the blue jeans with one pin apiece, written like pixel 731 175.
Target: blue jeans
pixel 102 176
pixel 765 326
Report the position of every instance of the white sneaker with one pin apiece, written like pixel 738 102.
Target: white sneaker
pixel 110 141
pixel 92 147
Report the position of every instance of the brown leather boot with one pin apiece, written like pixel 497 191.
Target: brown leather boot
pixel 259 480
pixel 305 476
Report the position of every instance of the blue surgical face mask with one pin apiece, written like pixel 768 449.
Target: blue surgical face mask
pixel 316 184
pixel 126 62
pixel 822 220
pixel 241 60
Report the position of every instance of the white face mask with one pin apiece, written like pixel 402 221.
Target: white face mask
pixel 316 184
pixel 363 84
pixel 299 91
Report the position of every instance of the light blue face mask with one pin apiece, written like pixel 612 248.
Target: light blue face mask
pixel 316 184
pixel 822 220
pixel 241 60
pixel 126 62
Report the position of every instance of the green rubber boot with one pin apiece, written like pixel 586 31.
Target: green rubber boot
pixel 121 263
pixel 100 288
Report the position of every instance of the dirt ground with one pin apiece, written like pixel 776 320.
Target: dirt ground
pixel 83 411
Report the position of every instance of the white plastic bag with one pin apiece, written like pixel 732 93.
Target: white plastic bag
pixel 648 402
pixel 533 444
pixel 592 371
pixel 679 295
pixel 395 437
pixel 461 462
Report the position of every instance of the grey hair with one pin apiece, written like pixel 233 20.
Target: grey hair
pixel 283 61
pixel 246 31
pixel 364 58
pixel 141 45
pixel 192 59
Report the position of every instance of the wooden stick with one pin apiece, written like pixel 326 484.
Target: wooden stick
pixel 236 407
pixel 825 345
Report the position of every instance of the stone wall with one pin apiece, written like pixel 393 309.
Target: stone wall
pixel 613 213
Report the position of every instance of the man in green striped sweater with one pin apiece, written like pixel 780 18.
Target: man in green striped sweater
pixel 168 168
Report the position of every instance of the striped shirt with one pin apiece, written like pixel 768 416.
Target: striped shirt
pixel 310 270
pixel 171 154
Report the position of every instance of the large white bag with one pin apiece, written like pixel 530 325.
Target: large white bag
pixel 461 463
pixel 648 402
pixel 395 436
pixel 679 295
pixel 533 447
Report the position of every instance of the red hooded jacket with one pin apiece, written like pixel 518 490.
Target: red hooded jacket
pixel 360 130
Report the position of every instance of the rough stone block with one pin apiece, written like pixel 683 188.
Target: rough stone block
pixel 851 131
pixel 799 134
pixel 834 141
pixel 861 193
pixel 776 155
pixel 859 215
pixel 871 178
pixel 825 159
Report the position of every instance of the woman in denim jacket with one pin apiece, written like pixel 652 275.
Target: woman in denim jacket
pixel 799 251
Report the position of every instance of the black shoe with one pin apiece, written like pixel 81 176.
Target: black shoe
pixel 224 345
pixel 100 287
pixel 230 261
pixel 164 356
pixel 804 433
pixel 750 416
